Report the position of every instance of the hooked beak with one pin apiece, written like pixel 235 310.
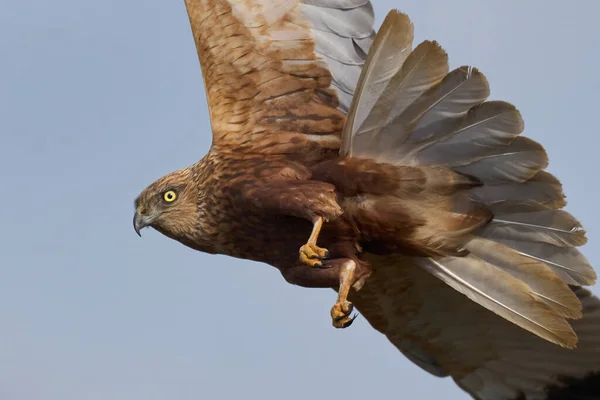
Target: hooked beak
pixel 140 222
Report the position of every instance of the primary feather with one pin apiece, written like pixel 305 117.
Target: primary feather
pixel 393 44
pixel 426 116
pixel 506 295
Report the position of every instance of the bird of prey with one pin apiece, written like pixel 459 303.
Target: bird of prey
pixel 356 160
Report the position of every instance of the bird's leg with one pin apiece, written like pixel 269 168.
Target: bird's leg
pixel 341 274
pixel 310 253
pixel 341 310
pixel 311 200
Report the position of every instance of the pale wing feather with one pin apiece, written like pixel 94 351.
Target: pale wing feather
pixel 483 129
pixel 365 45
pixel 461 89
pixel 340 4
pixel 426 116
pixel 351 22
pixel 330 46
pixel 436 112
pixel 530 221
pixel 343 34
pixel 533 370
pixel 391 46
pixel 502 293
pixel 567 262
pixel 519 161
pixel 445 333
pixel 390 119
pixel 280 74
pixel 345 78
pixel 542 188
pixel 543 281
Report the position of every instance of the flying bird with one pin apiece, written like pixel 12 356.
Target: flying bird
pixel 356 160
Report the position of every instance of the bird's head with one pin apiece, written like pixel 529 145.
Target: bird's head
pixel 168 205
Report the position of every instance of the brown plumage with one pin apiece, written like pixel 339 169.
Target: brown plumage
pixel 355 162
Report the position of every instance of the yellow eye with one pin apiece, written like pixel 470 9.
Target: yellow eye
pixel 170 196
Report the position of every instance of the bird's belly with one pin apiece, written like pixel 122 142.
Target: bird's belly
pixel 272 239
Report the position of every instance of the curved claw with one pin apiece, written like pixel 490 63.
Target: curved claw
pixel 344 323
pixel 312 255
pixel 340 314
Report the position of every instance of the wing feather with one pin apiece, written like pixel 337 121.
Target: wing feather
pixel 280 74
pixel 543 282
pixel 492 318
pixel 392 44
pixel 502 293
pixel 446 334
pixel 531 221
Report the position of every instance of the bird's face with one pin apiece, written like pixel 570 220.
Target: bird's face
pixel 168 205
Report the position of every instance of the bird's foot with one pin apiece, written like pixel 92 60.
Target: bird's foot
pixel 341 314
pixel 312 255
pixel 342 309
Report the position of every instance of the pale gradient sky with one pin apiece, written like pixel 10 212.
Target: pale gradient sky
pixel 99 98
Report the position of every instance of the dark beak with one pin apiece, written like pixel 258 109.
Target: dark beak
pixel 139 222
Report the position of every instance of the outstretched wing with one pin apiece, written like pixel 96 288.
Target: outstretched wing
pixel 462 316
pixel 280 74
pixel 411 110
pixel 447 334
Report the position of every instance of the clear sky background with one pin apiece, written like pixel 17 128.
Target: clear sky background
pixel 100 98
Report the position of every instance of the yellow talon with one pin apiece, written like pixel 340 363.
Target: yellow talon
pixel 340 314
pixel 311 254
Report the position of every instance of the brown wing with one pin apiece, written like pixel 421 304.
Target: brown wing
pixel 447 334
pixel 279 74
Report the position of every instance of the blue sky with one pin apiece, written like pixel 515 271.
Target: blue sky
pixel 98 99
